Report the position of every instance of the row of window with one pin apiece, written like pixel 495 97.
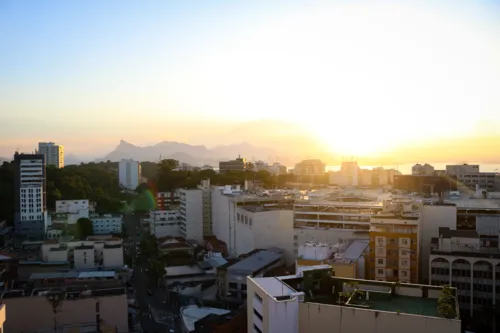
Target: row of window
pixel 243 219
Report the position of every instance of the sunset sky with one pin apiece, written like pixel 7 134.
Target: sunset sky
pixel 360 76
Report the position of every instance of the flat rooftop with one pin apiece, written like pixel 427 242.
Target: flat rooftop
pixel 192 313
pixel 274 287
pixel 398 303
pixel 354 250
pixel 255 262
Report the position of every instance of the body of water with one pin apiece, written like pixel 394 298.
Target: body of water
pixel 406 168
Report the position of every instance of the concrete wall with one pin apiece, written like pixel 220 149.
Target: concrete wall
pixel 432 217
pixel 113 257
pixel 30 314
pixel 323 318
pixel 222 217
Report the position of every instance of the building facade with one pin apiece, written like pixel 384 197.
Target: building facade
pixel 54 154
pixel 238 164
pixel 129 174
pixel 30 195
pixel 107 224
pixel 317 302
pixel 422 169
pixel 191 214
pixel 309 168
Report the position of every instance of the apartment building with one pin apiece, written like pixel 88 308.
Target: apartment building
pixel 394 248
pixel 162 223
pixel 262 227
pixel 422 169
pixel 309 168
pixel 107 224
pixel 129 174
pixel 54 154
pixel 347 259
pixel 226 204
pixel 471 263
pixel 469 177
pixel 350 174
pixel 69 211
pixel 167 200
pixel 191 214
pixel 231 277
pixel 317 302
pixel 97 251
pixel 333 221
pixel 239 164
pixel 30 197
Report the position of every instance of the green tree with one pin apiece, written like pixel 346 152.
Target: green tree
pixel 84 228
pixel 156 270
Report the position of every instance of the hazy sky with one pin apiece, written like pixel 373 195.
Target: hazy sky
pixel 360 75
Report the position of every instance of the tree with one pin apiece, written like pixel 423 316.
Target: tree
pixel 446 306
pixel 84 228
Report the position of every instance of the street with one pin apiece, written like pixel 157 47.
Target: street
pixel 154 314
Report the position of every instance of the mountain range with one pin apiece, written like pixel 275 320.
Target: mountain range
pixel 193 154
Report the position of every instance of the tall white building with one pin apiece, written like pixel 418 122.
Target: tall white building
pixel 129 173
pixel 30 217
pixel 54 154
pixel 191 214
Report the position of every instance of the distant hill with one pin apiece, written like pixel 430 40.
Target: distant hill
pixel 192 154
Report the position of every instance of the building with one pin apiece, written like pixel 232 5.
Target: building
pixel 96 251
pixel 262 227
pixel 277 169
pixel 394 236
pixel 232 322
pixel 309 168
pixel 425 184
pixel 470 262
pixel 226 202
pixel 191 314
pixel 462 169
pixel 164 223
pixel 30 209
pixel 191 214
pixel 422 170
pixel 69 211
pixel 107 224
pixel 333 221
pixel 351 175
pixel 129 174
pixel 317 302
pixel 54 154
pixel 167 200
pixel 75 314
pixel 231 277
pixel 2 317
pixel 238 164
pixel 347 260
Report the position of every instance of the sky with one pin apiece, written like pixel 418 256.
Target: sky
pixel 360 76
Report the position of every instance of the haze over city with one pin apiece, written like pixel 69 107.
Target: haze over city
pixel 343 78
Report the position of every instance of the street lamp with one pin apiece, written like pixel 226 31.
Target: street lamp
pixel 55 298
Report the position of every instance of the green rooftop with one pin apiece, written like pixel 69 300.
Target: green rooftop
pixel 396 303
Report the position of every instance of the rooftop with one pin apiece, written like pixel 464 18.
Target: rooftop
pixel 353 251
pixel 396 303
pixel 173 271
pixel 255 262
pixel 72 275
pixel 274 287
pixel 193 313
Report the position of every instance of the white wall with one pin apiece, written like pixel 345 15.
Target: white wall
pixel 84 258
pixel 71 206
pixel 223 211
pixel 129 174
pixel 432 217
pixel 267 229
pixel 191 214
pixel 113 257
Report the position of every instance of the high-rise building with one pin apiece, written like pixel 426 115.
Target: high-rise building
pixel 54 154
pixel 129 172
pixel 30 215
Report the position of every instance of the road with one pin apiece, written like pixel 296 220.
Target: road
pixel 155 316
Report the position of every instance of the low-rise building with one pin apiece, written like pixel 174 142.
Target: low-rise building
pixel 238 164
pixel 347 259
pixel 75 313
pixel 193 313
pixel 394 236
pixel 97 251
pixel 422 169
pixel 312 167
pixel 163 223
pixel 470 262
pixel 317 302
pixel 107 224
pixel 231 278
pixel 232 322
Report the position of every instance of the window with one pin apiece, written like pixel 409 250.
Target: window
pixel 257 314
pixel 380 261
pixel 380 271
pixel 85 260
pixel 256 329
pixel 257 297
pixel 404 273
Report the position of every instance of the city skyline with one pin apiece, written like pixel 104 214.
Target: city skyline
pixel 87 74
